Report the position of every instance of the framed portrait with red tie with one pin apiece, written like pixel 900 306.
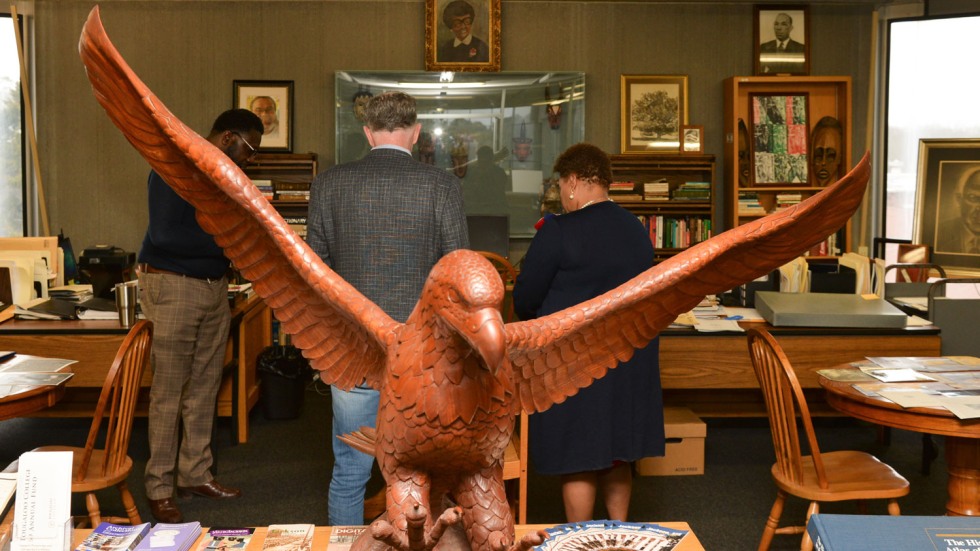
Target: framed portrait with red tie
pixel 782 39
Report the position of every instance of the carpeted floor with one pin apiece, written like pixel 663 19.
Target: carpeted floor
pixel 284 471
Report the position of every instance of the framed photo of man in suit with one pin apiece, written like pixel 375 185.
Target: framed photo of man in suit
pixel 462 35
pixel 947 201
pixel 782 39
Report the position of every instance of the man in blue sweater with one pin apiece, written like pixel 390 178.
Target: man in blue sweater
pixel 184 292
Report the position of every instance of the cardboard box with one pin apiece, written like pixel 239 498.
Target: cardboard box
pixel 685 446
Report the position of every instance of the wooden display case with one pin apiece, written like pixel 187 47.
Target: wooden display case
pixel 826 96
pixel 692 220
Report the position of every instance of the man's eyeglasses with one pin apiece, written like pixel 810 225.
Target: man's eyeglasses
pixel 250 148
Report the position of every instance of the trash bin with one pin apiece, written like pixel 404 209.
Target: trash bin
pixel 284 373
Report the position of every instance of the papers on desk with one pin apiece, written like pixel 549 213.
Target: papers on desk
pixel 920 304
pixel 927 364
pixel 895 375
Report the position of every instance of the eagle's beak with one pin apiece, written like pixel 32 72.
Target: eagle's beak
pixel 484 330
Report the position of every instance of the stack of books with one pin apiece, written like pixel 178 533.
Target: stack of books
pixel 624 192
pixel 749 205
pixel 288 537
pixel 656 191
pixel 298 224
pixel 786 200
pixel 114 537
pixel 265 186
pixel 292 191
pixel 693 191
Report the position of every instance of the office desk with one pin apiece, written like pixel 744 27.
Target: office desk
pixel 95 343
pixel 711 373
pixel 321 536
pixel 962 437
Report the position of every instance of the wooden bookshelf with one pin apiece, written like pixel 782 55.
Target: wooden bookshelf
pixel 696 215
pixel 826 96
pixel 287 172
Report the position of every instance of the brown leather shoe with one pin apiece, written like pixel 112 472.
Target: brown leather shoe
pixel 212 490
pixel 165 510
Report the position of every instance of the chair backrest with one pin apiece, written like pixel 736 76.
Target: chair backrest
pixel 784 402
pixel 506 270
pixel 117 402
pixel 914 272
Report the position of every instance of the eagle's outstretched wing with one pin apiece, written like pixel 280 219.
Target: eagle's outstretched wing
pixel 555 356
pixel 344 334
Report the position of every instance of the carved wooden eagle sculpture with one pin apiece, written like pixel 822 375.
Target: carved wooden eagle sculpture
pixel 454 376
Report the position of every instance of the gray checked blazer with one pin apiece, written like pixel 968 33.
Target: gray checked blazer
pixel 383 221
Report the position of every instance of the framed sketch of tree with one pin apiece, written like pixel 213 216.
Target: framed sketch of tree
pixel 653 109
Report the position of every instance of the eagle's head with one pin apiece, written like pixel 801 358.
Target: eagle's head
pixel 464 293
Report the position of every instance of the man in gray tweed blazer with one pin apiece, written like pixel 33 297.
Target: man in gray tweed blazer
pixel 381 223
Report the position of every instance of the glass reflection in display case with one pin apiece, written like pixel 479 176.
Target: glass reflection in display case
pixel 498 132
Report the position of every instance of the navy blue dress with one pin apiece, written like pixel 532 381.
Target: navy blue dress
pixel 575 257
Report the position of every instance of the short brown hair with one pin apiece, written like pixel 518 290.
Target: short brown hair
pixel 390 111
pixel 586 161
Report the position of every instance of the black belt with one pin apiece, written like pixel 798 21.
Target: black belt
pixel 147 269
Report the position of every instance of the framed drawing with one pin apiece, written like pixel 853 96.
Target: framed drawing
pixel 947 202
pixel 462 35
pixel 272 101
pixel 782 39
pixel 779 138
pixel 692 138
pixel 653 108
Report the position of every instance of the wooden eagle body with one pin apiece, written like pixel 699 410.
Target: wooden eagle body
pixel 454 376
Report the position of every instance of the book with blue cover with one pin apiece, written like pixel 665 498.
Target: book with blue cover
pixel 893 533
pixel 114 537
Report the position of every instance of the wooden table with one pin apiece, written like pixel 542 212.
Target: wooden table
pixel 962 437
pixel 32 400
pixel 95 343
pixel 321 535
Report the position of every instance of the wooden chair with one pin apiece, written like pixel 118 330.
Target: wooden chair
pixel 99 468
pixel 819 477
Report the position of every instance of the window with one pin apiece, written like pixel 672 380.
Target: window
pixel 11 135
pixel 931 94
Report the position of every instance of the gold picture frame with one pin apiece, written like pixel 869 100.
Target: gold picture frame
pixel 272 101
pixel 653 109
pixel 445 20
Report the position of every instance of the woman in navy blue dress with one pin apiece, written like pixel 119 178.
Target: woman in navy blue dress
pixel 592 438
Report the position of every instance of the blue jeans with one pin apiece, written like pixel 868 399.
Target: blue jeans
pixel 351 468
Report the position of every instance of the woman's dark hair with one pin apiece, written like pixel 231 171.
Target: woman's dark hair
pixel 586 161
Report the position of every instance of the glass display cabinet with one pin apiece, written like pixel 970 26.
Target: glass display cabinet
pixel 498 132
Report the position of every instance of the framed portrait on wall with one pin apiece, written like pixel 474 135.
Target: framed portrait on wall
pixel 272 101
pixel 782 39
pixel 947 202
pixel 778 144
pixel 462 35
pixel 653 109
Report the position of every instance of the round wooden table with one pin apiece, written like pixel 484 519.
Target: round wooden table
pixel 31 400
pixel 962 437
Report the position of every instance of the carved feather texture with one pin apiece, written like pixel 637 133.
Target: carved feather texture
pixel 454 376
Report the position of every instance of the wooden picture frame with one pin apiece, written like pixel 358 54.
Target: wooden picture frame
pixel 653 108
pixel 779 142
pixel 272 101
pixel 781 42
pixel 445 19
pixel 692 138
pixel 946 199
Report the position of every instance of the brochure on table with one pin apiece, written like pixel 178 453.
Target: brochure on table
pixel 42 515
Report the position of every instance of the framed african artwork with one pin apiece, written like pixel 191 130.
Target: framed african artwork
pixel 779 134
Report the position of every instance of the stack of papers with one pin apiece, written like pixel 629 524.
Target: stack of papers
pixel 22 373
pixel 953 382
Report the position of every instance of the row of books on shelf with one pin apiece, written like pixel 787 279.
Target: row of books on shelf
pixel 659 190
pixel 283 191
pixel 673 232
pixel 750 205
pixel 298 223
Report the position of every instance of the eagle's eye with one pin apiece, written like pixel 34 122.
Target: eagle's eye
pixel 453 296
